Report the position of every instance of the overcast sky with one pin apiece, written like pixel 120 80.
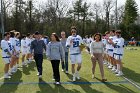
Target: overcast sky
pixel 120 2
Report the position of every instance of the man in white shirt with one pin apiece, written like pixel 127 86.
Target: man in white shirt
pixel 23 49
pixel 17 48
pixel 28 45
pixel 13 58
pixel 118 52
pixel 73 43
pixel 6 53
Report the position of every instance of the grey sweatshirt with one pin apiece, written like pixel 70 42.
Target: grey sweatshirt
pixel 63 42
pixel 38 46
pixel 55 51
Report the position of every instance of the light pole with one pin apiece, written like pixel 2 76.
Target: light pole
pixel 116 15
pixel 2 22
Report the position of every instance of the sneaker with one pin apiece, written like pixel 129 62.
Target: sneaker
pixel 37 74
pixel 74 79
pixel 62 70
pixel 57 83
pixel 119 74
pixel 67 72
pixel 7 76
pixel 77 76
pixel 110 67
pixel 116 72
pixel 93 76
pixel 10 74
pixel 113 69
pixel 40 76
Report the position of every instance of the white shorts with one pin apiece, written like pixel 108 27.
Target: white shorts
pixel 118 56
pixel 110 52
pixel 76 59
pixel 6 60
pixel 28 50
pixel 24 52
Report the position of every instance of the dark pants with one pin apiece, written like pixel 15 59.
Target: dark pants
pixel 39 60
pixel 65 64
pixel 55 66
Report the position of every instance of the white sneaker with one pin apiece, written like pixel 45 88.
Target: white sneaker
pixel 37 74
pixel 74 79
pixel 119 74
pixel 116 72
pixel 40 76
pixel 62 70
pixel 66 72
pixel 10 74
pixel 6 76
pixel 110 67
pixel 114 68
pixel 57 83
pixel 77 75
pixel 13 70
pixel 93 76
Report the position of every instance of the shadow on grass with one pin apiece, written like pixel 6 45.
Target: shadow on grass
pixel 130 74
pixel 119 88
pixel 8 86
pixel 86 87
pixel 31 67
pixel 46 88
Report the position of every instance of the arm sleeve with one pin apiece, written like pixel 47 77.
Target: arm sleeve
pixel 44 46
pixel 120 43
pixel 68 42
pixel 81 40
pixel 91 48
pixel 32 47
pixel 62 52
pixel 48 52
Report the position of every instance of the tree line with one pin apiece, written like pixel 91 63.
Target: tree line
pixel 58 15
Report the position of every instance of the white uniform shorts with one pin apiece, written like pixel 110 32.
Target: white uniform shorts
pixel 118 56
pixel 110 52
pixel 76 59
pixel 6 60
pixel 24 52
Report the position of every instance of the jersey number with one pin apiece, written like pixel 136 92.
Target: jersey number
pixel 76 44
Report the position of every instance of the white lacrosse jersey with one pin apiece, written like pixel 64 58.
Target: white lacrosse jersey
pixel 119 46
pixel 6 46
pixel 74 47
pixel 17 47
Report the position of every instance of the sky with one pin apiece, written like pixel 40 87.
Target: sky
pixel 120 2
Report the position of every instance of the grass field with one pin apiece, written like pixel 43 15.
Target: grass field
pixel 26 81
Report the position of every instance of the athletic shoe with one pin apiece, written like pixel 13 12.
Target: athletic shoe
pixel 37 74
pixel 77 75
pixel 6 76
pixel 57 83
pixel 67 72
pixel 74 78
pixel 119 74
pixel 62 70
pixel 10 74
pixel 110 67
pixel 114 68
pixel 40 76
pixel 116 72
pixel 93 76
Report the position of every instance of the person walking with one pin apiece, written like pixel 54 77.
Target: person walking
pixel 55 53
pixel 96 50
pixel 37 46
pixel 64 62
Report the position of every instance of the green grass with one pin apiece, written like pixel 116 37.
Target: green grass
pixel 28 74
